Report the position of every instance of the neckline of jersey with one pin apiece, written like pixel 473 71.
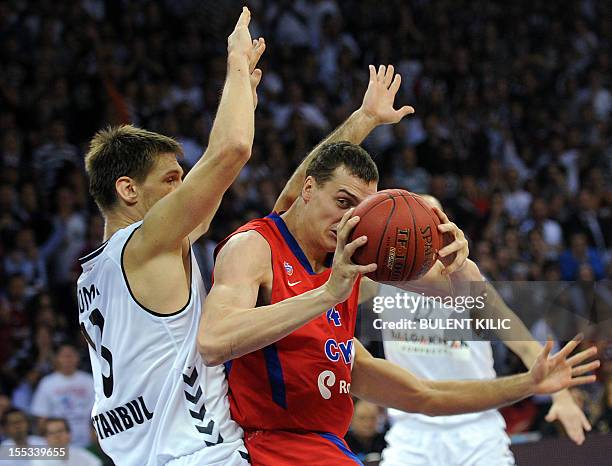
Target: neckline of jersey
pixel 295 247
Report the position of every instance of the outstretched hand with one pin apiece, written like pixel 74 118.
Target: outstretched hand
pixel 551 374
pixel 380 96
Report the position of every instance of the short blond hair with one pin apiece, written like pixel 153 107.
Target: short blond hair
pixel 122 151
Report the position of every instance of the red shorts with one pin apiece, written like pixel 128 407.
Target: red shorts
pixel 283 448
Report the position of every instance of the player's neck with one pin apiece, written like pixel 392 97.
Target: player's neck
pixel 296 224
pixel 115 221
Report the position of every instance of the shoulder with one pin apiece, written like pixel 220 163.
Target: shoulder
pixel 250 243
pixel 245 253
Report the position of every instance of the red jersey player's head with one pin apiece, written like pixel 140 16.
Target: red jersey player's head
pixel 339 178
pixel 130 169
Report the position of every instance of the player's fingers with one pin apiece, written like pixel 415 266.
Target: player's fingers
pixel 571 346
pixel 389 75
pixel 350 248
pixel 455 265
pixel 584 380
pixel 575 433
pixel 586 425
pixel 547 348
pixel 259 46
pixel 363 269
pixel 255 77
pixel 381 73
pixel 582 356
pixel 372 70
pixel 441 215
pixel 584 368
pixel 345 227
pixel 395 85
pixel 455 246
pixel 405 110
pixel 551 416
pixel 245 17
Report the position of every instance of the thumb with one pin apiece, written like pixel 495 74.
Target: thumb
pixel 406 110
pixel 255 77
pixel 551 416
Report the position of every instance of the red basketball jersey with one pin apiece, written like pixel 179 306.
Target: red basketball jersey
pixel 300 383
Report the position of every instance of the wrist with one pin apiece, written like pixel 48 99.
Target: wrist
pixel 562 396
pixel 369 120
pixel 329 298
pixel 237 60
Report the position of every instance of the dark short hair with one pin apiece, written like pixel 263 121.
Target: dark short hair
pixel 8 412
pixel 57 419
pixel 342 154
pixel 122 151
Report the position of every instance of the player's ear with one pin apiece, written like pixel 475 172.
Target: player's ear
pixel 307 188
pixel 126 189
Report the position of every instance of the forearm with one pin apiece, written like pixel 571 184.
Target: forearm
pixel 405 392
pixel 236 332
pixel 354 130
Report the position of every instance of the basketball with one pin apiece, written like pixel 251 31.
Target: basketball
pixel 403 237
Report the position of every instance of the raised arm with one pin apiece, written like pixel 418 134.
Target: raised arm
pixel 232 325
pixel 376 109
pixel 195 201
pixel 386 384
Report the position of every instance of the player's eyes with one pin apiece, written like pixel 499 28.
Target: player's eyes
pixel 343 203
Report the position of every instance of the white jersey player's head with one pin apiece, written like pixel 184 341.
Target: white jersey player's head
pixel 130 169
pixel 337 179
pixel 431 201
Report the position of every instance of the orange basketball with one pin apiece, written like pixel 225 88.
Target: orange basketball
pixel 403 237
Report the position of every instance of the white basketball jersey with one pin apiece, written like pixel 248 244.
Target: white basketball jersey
pixel 155 400
pixel 428 355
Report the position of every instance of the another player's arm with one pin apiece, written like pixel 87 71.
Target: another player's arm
pixel 232 325
pixel 376 109
pixel 389 385
pixel 175 216
pixel 522 343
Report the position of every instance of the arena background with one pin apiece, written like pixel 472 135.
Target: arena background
pixel 511 132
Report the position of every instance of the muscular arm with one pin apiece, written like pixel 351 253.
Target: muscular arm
pixel 386 384
pixel 355 129
pixel 231 325
pixel 175 216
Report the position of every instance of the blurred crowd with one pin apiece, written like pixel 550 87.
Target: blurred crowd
pixel 512 133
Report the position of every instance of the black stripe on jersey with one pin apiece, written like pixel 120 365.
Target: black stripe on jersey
pixel 94 253
pixel 127 283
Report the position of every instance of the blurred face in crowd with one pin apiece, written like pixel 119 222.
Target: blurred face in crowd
pixel 16 427
pixel 326 204
pixel 57 434
pixel 67 360
pixel 365 419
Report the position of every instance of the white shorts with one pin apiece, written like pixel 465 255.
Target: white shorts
pixel 480 443
pixel 203 458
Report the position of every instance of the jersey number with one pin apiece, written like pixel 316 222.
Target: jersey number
pixel 97 319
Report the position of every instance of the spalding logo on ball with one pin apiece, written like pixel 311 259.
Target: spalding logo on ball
pixel 403 237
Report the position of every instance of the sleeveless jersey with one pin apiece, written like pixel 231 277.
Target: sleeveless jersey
pixel 429 355
pixel 154 398
pixel 300 383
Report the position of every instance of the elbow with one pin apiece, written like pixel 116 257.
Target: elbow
pixel 239 150
pixel 211 352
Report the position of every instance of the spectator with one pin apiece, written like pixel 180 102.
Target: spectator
pixel 58 435
pixel 68 393
pixel 363 438
pixel 580 253
pixel 15 425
